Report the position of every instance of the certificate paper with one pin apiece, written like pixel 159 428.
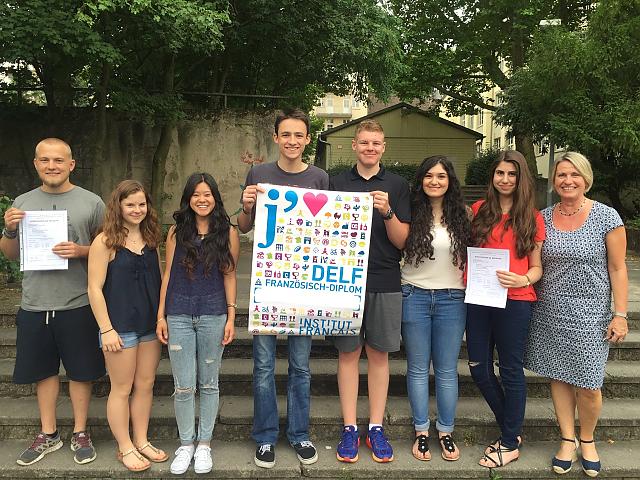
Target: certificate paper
pixel 483 287
pixel 40 231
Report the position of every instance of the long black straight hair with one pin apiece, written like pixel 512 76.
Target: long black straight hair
pixel 214 250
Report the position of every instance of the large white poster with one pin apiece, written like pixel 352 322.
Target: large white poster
pixel 309 267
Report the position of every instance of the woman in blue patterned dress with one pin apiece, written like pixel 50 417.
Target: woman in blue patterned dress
pixel 583 259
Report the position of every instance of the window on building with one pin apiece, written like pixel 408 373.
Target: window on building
pixel 511 141
pixel 346 103
pixel 346 120
pixel 357 103
pixel 480 117
pixel 497 143
pixel 470 121
pixel 329 102
pixel 463 120
pixel 329 125
pixel 499 99
pixel 322 102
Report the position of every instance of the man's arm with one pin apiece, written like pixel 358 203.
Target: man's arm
pixel 9 244
pixel 397 231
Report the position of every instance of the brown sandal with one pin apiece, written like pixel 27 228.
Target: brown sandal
pixel 160 457
pixel 120 456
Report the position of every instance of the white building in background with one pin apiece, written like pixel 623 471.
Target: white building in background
pixel 335 110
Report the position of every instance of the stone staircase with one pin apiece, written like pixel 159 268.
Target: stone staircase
pixel 618 431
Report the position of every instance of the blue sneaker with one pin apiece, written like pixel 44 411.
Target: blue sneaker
pixel 381 449
pixel 347 450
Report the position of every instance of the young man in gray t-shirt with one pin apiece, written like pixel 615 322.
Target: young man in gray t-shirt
pixel 291 133
pixel 54 321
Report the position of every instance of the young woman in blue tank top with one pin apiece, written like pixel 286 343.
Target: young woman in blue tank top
pixel 124 291
pixel 197 312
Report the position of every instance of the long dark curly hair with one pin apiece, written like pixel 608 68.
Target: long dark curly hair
pixel 215 245
pixel 115 232
pixel 522 215
pixel 454 215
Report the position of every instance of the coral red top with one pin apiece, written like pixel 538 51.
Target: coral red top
pixel 501 238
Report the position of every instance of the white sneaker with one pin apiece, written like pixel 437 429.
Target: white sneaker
pixel 202 462
pixel 181 463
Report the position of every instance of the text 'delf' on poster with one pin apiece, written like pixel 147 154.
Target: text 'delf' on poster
pixel 309 267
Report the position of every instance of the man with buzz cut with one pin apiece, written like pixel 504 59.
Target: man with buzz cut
pixel 54 321
pixel 291 133
pixel 380 331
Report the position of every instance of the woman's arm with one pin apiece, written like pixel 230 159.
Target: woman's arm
pixel 514 280
pixel 230 287
pixel 616 241
pixel 162 331
pixel 99 257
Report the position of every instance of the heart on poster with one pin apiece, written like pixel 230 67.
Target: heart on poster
pixel 314 202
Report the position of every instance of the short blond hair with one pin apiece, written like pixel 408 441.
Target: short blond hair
pixel 581 164
pixel 369 126
pixel 53 141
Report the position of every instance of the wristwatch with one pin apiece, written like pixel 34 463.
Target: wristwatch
pixel 10 235
pixel 621 315
pixel 389 215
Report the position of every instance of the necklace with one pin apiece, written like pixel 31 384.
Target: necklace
pixel 202 235
pixel 572 213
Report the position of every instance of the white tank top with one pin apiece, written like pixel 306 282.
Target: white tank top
pixel 437 273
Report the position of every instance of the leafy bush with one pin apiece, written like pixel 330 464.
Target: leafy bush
pixel 10 268
pixel 478 168
pixel 633 223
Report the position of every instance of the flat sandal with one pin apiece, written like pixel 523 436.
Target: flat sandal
pixel 448 445
pixel 423 447
pixel 499 450
pixel 155 450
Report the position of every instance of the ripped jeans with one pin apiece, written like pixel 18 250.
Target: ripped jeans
pixel 195 348
pixel 506 329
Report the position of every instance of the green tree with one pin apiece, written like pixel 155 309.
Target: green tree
pixel 456 47
pixel 582 89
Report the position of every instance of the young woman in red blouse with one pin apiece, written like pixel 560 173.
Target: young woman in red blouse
pixel 506 219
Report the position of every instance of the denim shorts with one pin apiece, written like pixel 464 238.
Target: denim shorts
pixel 132 339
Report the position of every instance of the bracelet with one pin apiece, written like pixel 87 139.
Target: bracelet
pixel 9 235
pixel 107 331
pixel 621 315
pixel 528 280
pixel 233 305
pixel 161 318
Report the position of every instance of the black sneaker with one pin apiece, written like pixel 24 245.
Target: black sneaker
pixel 83 447
pixel 42 445
pixel 307 453
pixel 265 455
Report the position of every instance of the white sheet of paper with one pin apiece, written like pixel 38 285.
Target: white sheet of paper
pixel 483 287
pixel 39 232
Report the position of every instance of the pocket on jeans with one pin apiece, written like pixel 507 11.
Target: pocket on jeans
pixel 407 290
pixel 456 294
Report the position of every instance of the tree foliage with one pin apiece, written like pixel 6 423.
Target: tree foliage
pixel 457 48
pixel 582 89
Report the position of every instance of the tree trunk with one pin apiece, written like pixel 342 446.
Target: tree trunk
pixel 100 156
pixel 159 167
pixel 524 144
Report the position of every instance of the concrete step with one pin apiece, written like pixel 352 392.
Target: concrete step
pixel 621 381
pixel 474 420
pixel 234 460
pixel 241 347
pixel 8 318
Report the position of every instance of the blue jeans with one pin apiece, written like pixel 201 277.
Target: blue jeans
pixel 195 349
pixel 265 408
pixel 507 330
pixel 432 328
